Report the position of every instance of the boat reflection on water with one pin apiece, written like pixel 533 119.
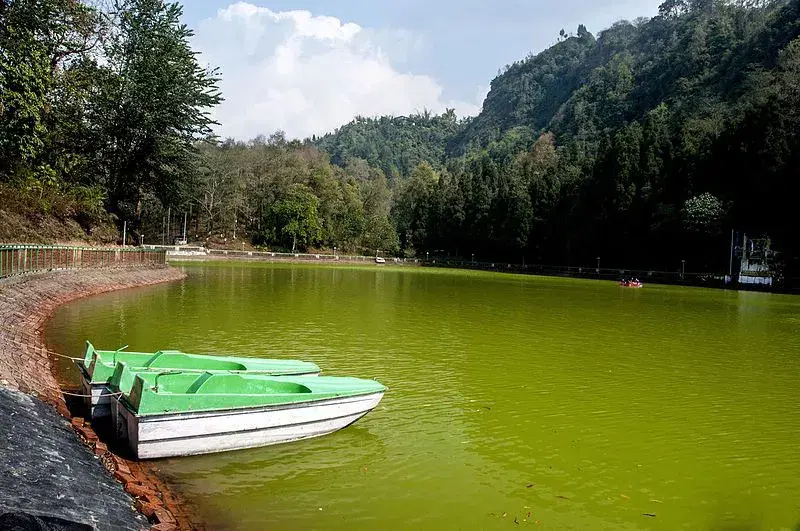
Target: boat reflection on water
pixel 337 455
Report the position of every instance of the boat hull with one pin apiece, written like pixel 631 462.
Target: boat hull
pixel 97 397
pixel 180 434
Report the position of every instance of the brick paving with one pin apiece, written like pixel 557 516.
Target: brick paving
pixel 25 305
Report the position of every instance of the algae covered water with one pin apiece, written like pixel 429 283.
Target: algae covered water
pixel 513 401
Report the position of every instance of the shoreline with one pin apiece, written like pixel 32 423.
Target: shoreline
pixel 178 255
pixel 26 303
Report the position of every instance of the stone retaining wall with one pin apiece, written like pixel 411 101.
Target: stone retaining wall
pixel 25 305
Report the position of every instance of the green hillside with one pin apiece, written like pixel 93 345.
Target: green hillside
pixel 645 145
pixel 396 145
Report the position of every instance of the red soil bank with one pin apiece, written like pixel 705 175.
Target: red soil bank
pixel 25 305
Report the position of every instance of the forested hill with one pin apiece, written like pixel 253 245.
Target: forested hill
pixel 697 56
pixel 396 145
pixel 645 145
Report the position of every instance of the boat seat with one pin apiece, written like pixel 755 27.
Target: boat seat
pixel 197 384
pixel 153 358
pixel 234 384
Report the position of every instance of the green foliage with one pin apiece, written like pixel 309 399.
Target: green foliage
pixel 286 195
pixel 653 140
pixel 530 92
pixel 154 102
pixel 395 145
pixel 101 100
pixel 294 219
pixel 413 206
pixel 25 79
pixel 640 145
pixel 703 214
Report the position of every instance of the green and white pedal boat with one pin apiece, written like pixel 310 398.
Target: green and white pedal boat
pixel 176 413
pixel 97 368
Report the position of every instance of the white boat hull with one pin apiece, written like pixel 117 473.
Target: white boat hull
pixel 98 398
pixel 170 435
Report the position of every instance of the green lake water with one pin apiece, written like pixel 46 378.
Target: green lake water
pixel 514 401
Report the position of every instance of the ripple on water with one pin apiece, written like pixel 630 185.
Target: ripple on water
pixel 586 405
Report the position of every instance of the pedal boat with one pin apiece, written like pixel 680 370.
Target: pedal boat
pixel 175 413
pixel 97 368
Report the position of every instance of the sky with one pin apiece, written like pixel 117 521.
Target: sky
pixel 309 66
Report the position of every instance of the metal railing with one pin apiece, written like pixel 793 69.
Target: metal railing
pixel 187 251
pixel 21 259
pixel 315 257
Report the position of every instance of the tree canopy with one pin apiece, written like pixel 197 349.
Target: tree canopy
pixel 645 144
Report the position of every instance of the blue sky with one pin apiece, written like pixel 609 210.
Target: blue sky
pixel 307 66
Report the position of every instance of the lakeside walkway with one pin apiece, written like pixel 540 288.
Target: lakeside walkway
pixel 49 470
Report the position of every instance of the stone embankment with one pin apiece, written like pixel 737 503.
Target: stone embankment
pixel 25 305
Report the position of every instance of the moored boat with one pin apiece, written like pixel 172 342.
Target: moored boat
pixel 97 369
pixel 175 413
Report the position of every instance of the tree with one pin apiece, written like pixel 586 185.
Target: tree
pixel 703 214
pixel 295 219
pixel 155 103
pixel 673 8
pixel 43 44
pixel 413 207
pixel 25 81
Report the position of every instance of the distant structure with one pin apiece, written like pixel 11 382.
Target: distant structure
pixel 756 261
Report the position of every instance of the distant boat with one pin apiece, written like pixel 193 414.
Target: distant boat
pixel 175 413
pixel 379 260
pixel 97 369
pixel 631 283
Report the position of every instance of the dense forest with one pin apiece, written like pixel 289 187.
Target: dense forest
pixel 99 109
pixel 644 145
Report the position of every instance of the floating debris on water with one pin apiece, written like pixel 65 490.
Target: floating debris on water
pixel 651 515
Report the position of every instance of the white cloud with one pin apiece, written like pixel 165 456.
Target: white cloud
pixel 308 74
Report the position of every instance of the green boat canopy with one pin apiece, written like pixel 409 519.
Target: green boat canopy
pixel 99 365
pixel 173 391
